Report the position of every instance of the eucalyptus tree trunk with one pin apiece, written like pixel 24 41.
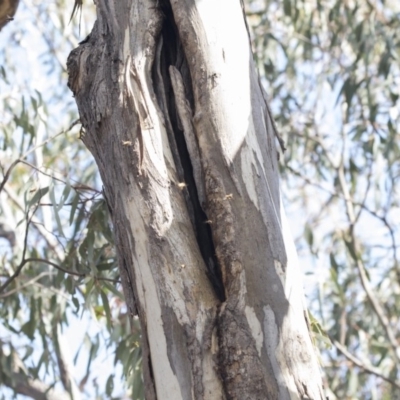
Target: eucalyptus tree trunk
pixel 175 116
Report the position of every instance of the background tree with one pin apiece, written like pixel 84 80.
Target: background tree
pixel 331 69
pixel 331 74
pixel 57 258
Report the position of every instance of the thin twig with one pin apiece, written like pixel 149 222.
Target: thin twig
pixel 360 364
pixel 26 284
pixel 80 274
pixel 370 166
pixel 7 174
pixel 355 203
pixel 79 186
pixel 21 158
pixel 22 263
pixel 350 203
pixel 376 305
pixel 47 236
pixel 62 269
pixel 42 260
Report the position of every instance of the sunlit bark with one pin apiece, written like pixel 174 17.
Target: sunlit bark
pixel 177 121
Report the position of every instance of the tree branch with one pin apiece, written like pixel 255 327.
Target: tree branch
pixel 22 158
pixel 22 263
pixel 16 378
pixel 379 311
pixel 64 366
pixel 32 388
pixel 26 284
pixel 369 369
pixel 42 260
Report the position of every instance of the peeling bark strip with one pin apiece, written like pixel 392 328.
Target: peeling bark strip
pixel 176 119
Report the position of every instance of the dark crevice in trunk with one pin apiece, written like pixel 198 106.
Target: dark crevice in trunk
pixel 172 54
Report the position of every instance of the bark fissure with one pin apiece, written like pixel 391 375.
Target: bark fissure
pixel 178 112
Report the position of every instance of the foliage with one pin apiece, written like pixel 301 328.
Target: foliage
pixel 331 70
pixel 59 273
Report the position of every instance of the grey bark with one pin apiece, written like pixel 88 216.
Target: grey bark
pixel 176 120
